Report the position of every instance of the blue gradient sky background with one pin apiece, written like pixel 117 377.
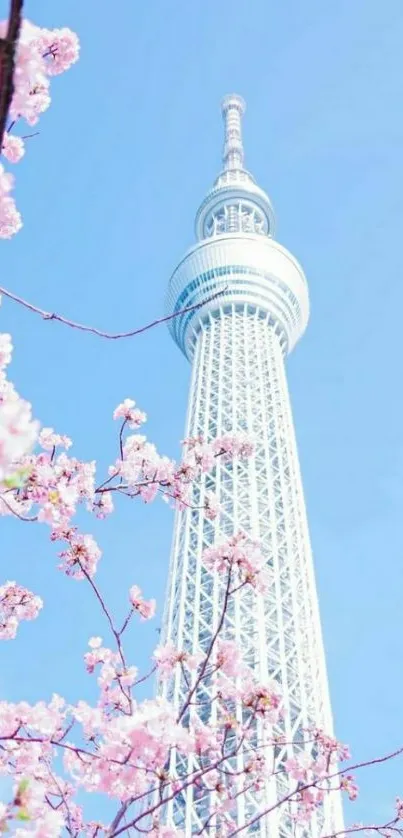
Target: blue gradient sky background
pixel 108 192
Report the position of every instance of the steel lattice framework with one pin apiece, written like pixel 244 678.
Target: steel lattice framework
pixel 237 343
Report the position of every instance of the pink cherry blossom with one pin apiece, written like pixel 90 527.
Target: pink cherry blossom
pixel 349 785
pixel 161 831
pixel 127 410
pixel 234 445
pixel 57 484
pixel 40 53
pixel 399 808
pixel 81 555
pixel 166 657
pixel 18 433
pixel 13 148
pixel 228 657
pixel 264 700
pixel 212 507
pixel 243 557
pixel 309 800
pixel 206 739
pixel 48 440
pixel 6 348
pixel 145 608
pixel 298 767
pixel 59 48
pixel 103 506
pixel 10 218
pixel 16 603
pixel 49 825
pixel 335 751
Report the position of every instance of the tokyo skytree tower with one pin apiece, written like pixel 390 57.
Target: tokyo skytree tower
pixel 237 344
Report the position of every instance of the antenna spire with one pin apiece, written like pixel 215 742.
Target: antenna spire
pixel 233 108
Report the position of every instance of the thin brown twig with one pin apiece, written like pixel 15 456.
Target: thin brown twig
pixel 47 315
pixel 8 47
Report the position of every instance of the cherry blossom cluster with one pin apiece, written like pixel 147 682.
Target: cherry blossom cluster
pixel 55 485
pixel 10 218
pixel 243 557
pixel 228 446
pixel 115 678
pixel 312 775
pixel 145 608
pixel 18 431
pixel 81 556
pixel 143 471
pixel 333 750
pixel 167 657
pixel 49 484
pixel 40 54
pixel 120 747
pixel 16 603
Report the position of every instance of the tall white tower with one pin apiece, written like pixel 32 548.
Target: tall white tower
pixel 237 344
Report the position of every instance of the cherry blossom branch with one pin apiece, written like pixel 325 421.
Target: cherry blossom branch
pixel 303 787
pixel 210 648
pixel 191 779
pixel 8 47
pixel 375 761
pixel 351 829
pixel 63 800
pixel 194 778
pixel 47 315
pixel 14 511
pixel 75 749
pixel 115 632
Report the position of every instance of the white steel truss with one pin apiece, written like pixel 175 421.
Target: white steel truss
pixel 237 346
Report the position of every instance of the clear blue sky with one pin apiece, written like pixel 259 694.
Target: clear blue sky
pixel 108 193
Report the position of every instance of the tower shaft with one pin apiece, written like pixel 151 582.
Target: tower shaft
pixel 239 383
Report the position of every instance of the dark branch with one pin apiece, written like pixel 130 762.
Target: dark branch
pixel 8 46
pixel 46 315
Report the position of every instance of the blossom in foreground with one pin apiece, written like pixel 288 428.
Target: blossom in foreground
pixel 349 785
pixel 13 148
pixel 10 218
pixel 241 556
pixel 18 430
pixel 16 604
pixel 81 556
pixel 127 410
pixel 146 608
pixel 228 657
pixel 49 440
pixel 40 53
pixel 167 657
pixel 18 433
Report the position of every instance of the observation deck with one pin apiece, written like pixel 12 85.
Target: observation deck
pixel 236 261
